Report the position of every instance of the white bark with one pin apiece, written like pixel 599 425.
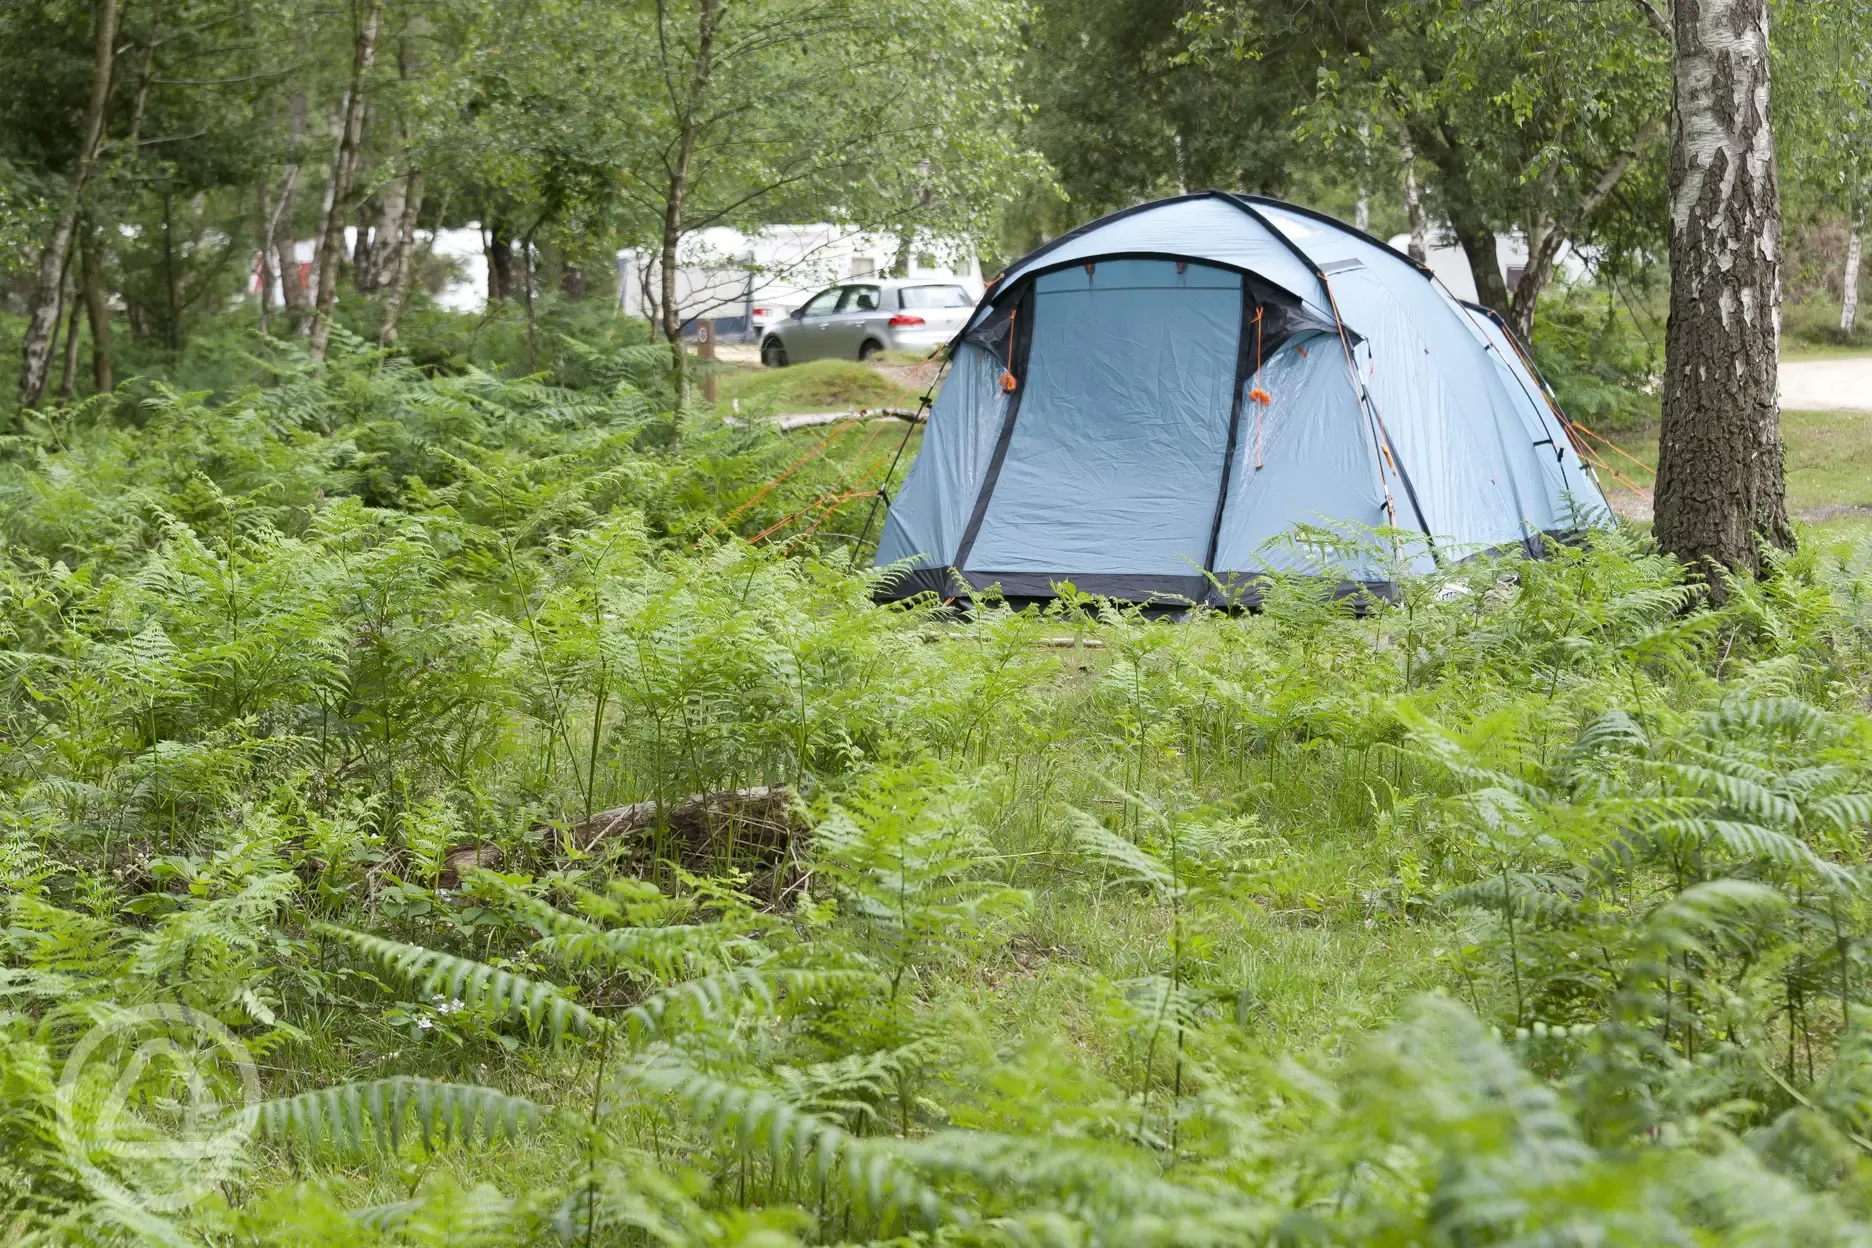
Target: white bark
pixel 1710 96
pixel 344 169
pixel 1361 214
pixel 48 291
pixel 385 239
pixel 1413 207
pixel 1849 300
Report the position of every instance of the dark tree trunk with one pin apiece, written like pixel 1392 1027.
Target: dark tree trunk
pixel 572 282
pixel 1478 243
pixel 1720 484
pixel 707 11
pixel 1474 232
pixel 668 301
pixel 363 251
pixel 97 308
pixel 500 257
pixel 68 375
pixel 49 281
pixel 172 297
pixel 293 291
pixel 344 168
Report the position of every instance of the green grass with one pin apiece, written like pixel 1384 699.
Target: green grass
pixel 1810 331
pixel 817 386
pixel 1829 461
pixel 1794 352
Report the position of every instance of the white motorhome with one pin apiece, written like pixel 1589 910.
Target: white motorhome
pixel 746 281
pixel 741 281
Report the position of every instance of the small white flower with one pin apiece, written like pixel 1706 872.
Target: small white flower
pixel 426 1024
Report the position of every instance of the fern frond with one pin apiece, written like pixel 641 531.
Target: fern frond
pixel 1844 811
pixel 475 983
pixel 1753 841
pixel 714 996
pixel 1698 918
pixel 1761 715
pixel 1130 862
pixel 1527 895
pixel 1098 1183
pixel 796 1143
pixel 854 1085
pixel 1739 793
pixel 1614 730
pixel 551 920
pixel 658 951
pixel 380 1110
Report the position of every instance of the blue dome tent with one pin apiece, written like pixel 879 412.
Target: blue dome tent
pixel 1143 405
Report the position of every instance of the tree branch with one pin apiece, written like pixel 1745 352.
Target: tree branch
pixel 1656 20
pixel 1541 260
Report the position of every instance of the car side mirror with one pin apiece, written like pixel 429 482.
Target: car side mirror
pixel 797 314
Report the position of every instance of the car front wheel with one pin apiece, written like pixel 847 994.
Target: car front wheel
pixel 773 353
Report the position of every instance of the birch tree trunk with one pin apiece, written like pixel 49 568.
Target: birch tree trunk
pixel 1361 211
pixel 1849 289
pixel 402 258
pixel 386 237
pixel 1414 209
pixel 49 281
pixel 344 167
pixel 1720 484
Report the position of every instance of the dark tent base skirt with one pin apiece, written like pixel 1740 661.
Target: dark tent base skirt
pixel 1168 594
pixel 1157 594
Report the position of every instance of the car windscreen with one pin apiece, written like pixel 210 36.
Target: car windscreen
pixel 935 297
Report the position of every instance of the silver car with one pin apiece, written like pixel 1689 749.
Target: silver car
pixel 856 320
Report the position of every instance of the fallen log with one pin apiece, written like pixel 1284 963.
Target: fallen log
pixel 747 829
pixel 764 806
pixel 465 858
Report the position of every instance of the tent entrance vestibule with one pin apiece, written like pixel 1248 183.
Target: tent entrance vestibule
pixel 1134 452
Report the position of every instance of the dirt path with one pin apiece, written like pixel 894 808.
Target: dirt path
pixel 1827 385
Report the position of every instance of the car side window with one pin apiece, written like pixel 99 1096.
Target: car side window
pixel 859 299
pixel 936 297
pixel 822 303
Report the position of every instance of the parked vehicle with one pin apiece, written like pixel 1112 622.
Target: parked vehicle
pixel 764 314
pixel 856 320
